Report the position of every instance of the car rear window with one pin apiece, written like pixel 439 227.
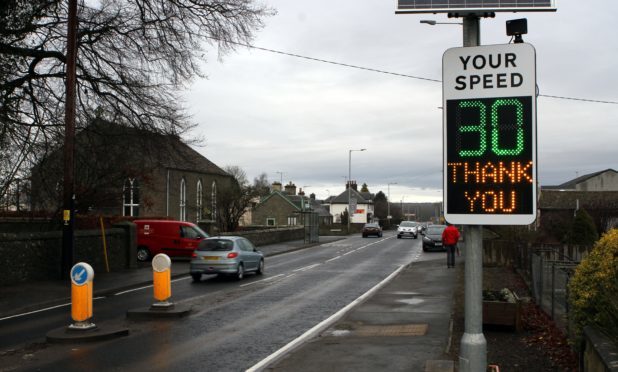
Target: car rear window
pixel 435 230
pixel 215 245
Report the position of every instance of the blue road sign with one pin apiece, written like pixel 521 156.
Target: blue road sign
pixel 81 273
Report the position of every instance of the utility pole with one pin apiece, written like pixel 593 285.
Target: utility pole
pixel 68 194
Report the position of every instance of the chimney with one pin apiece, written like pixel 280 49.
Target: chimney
pixel 290 188
pixel 353 183
pixel 276 186
pixel 312 196
pixel 301 192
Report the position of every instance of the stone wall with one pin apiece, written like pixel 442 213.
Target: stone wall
pixel 599 352
pixel 37 255
pixel 270 236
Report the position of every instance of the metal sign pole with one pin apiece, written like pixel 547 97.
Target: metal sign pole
pixel 473 347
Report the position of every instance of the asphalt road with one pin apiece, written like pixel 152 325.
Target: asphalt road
pixel 232 326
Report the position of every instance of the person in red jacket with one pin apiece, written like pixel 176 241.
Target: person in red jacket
pixel 450 237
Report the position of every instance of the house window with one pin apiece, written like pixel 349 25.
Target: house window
pixel 130 198
pixel 198 202
pixel 213 197
pixel 291 221
pixel 183 200
pixel 270 222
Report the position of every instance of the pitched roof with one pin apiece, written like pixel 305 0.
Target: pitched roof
pixel 165 150
pixel 571 185
pixel 570 199
pixel 361 198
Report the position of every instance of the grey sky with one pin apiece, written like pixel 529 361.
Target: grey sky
pixel 268 112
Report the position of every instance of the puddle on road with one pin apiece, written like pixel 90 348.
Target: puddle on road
pixel 339 332
pixel 411 301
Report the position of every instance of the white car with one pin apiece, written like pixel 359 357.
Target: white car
pixel 407 228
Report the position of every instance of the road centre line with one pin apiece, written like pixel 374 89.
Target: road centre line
pixel 333 259
pixel 41 310
pixel 322 326
pixel 261 280
pixel 307 267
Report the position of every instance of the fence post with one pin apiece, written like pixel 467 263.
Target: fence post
pixel 553 288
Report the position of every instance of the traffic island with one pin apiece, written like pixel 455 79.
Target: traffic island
pixel 67 335
pixel 157 311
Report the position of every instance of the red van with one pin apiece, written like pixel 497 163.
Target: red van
pixel 174 238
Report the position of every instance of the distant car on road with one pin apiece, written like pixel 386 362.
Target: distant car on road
pixel 372 229
pixel 174 238
pixel 407 228
pixel 229 255
pixel 432 240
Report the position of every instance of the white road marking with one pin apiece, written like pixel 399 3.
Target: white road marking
pixel 41 310
pixel 333 259
pixel 262 280
pixel 319 328
pixel 307 267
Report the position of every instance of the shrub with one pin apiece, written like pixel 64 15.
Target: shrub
pixel 593 290
pixel 583 231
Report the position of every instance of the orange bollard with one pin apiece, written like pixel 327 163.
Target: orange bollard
pixel 82 275
pixel 161 265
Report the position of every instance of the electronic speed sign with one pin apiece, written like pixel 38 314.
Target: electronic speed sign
pixel 489 116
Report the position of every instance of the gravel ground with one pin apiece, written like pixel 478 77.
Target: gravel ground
pixel 540 346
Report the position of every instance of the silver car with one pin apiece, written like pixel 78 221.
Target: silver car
pixel 226 255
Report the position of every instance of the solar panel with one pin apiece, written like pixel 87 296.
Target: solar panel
pixel 470 6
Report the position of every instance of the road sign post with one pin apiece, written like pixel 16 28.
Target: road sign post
pixel 161 268
pixel 82 275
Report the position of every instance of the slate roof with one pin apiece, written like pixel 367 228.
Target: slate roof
pixel 164 150
pixel 568 199
pixel 361 198
pixel 571 185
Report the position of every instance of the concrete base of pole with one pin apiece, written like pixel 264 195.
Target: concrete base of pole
pixel 473 353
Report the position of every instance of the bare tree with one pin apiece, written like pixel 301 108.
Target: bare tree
pixel 133 58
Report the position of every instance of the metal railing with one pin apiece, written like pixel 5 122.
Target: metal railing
pixel 550 270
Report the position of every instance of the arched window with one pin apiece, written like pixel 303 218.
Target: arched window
pixel 183 200
pixel 130 198
pixel 198 202
pixel 213 198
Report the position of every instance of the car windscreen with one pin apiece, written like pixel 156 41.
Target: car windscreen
pixel 372 225
pixel 215 245
pixel 407 224
pixel 435 230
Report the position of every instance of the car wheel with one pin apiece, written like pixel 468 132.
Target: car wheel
pixel 240 272
pixel 398 236
pixel 196 277
pixel 380 235
pixel 424 249
pixel 260 269
pixel 364 236
pixel 415 236
pixel 143 254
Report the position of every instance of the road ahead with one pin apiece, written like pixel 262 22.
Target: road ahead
pixel 233 325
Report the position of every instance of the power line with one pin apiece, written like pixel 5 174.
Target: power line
pixel 392 73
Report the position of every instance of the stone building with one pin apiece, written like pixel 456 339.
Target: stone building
pixel 122 171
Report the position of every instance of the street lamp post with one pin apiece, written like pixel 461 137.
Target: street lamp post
pixel 350 185
pixel 388 204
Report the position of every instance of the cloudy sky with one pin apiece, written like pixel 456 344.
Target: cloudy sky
pixel 268 112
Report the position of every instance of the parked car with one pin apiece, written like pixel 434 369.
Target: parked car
pixel 407 228
pixel 174 238
pixel 372 229
pixel 229 255
pixel 432 240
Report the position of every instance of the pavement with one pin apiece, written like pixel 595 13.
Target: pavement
pixel 403 325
